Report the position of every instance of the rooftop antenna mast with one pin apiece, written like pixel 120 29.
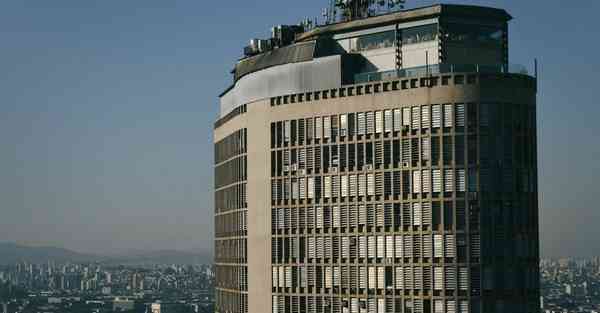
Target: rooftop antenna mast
pixel 359 9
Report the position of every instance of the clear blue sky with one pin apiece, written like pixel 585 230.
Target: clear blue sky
pixel 106 110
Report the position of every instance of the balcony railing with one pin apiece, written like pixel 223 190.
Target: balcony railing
pixel 436 69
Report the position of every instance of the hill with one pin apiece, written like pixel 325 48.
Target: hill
pixel 11 253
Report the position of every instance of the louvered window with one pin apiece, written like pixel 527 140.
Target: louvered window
pixel 362 185
pixel 436 116
pixel 379 183
pixel 379 215
pixel 399 277
pixel 378 153
pixel 380 247
pixel 397 120
pixel 310 276
pixel 437 180
pixel 286 189
pixel 327 187
pixel 344 186
pixel 475 246
pixel 388 214
pixel 310 130
pixel 362 214
pixel 427 278
pixel 275 308
pixel 426 209
pixel 328 277
pixel 372 247
pixel 281 219
pixel 372 277
pixel 416 182
pixel 415 153
pixel 378 122
pixel 274 276
pixel 311 248
pixel 408 246
pixel 295 188
pixel 463 278
pixel 417 214
pixel 286 159
pixel 396 185
pixel 389 247
pixel 438 246
pixel 406 117
pixel 450 278
pixel 317 157
pixel 362 246
pixel 320 247
pixel 353 216
pixel 370 184
pixel 301 218
pixel 448 180
pixel 405 152
pixel 281 280
pixel 310 218
pixel 460 180
pixel 463 306
pixel 310 158
pixel 326 217
pixel 448 120
pixel 438 306
pixel 426 178
pixel 388 125
pixel 343 216
pixel 318 128
pixel 370 215
pixel 343 125
pixel 408 277
pixel 460 115
pixel 406 214
pixel 335 186
pixel 302 186
pixel 336 276
pixel 380 277
pixel 288 277
pixel 336 216
pixel 326 127
pixel 345 247
pixel 370 122
pixel 319 217
pixel 425 149
pixel 425 117
pixel 399 246
pixel 353 187
pixel 427 246
pixel 416 118
pixel 362 123
pixel 418 280
pixel 451 306
pixel 363 277
pixel 438 278
pixel 273 190
pixel 318 187
pixel 417 246
pixel 301 158
pixel 450 246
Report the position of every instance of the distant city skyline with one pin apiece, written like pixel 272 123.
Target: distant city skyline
pixel 106 117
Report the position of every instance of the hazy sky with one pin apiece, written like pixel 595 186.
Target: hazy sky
pixel 106 110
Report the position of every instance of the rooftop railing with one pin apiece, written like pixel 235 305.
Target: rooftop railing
pixel 436 69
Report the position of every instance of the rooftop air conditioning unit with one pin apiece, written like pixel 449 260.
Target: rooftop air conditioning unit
pixel 294 167
pixel 286 168
pixel 405 164
pixel 302 172
pixel 368 167
pixel 333 169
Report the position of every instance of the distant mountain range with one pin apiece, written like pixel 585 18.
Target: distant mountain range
pixel 11 253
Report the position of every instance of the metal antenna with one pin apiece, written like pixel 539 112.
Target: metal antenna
pixel 358 9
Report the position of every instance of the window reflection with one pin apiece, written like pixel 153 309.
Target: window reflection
pixel 483 35
pixel 387 39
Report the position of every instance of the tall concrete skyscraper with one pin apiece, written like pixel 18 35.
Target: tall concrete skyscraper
pixel 379 163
